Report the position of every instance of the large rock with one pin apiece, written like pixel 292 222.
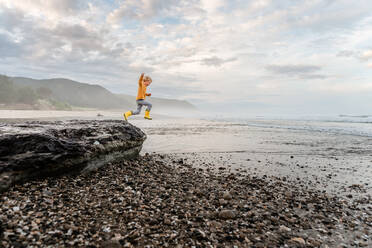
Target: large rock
pixel 39 149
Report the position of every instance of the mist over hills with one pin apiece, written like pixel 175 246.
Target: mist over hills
pixel 75 93
pixel 94 96
pixel 161 103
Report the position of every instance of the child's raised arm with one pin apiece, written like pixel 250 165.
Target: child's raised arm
pixel 141 78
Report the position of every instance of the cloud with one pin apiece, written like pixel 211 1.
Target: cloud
pixel 140 9
pixel 363 56
pixel 301 71
pixel 60 38
pixel 174 62
pixel 366 55
pixel 11 17
pixel 321 16
pixel 255 46
pixel 293 69
pixel 58 6
pixel 344 88
pixel 8 48
pixel 79 37
pixel 346 53
pixel 62 41
pixel 216 61
pixel 49 10
pixel 176 92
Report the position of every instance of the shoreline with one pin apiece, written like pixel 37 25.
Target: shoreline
pixel 334 178
pixel 158 201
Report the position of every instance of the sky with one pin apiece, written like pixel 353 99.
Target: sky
pixel 235 57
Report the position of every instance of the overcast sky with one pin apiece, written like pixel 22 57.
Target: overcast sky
pixel 240 56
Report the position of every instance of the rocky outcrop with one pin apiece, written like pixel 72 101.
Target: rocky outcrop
pixel 39 149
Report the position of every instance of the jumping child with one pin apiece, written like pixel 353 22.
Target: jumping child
pixel 143 83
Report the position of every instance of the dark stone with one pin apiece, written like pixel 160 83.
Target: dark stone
pixel 1 230
pixel 226 214
pixel 39 149
pixel 111 243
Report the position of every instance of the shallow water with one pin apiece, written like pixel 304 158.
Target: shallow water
pixel 330 161
pixel 361 126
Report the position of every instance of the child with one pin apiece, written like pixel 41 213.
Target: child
pixel 143 83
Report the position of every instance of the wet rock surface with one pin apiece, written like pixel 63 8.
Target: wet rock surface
pixel 154 201
pixel 37 149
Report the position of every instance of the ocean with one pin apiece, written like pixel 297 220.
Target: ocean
pixel 360 125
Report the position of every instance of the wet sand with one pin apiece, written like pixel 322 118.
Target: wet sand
pixel 339 164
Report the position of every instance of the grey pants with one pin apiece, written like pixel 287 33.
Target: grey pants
pixel 141 103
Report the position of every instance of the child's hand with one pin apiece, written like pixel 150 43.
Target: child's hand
pixel 148 94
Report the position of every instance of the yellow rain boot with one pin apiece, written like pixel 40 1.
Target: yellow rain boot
pixel 147 115
pixel 127 114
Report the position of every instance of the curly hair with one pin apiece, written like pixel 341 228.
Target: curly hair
pixel 147 78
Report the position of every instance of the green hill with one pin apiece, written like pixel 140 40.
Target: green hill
pixel 78 94
pixel 75 93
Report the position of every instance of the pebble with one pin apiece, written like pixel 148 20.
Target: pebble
pixel 226 214
pixel 227 196
pixel 298 240
pixel 152 202
pixel 284 229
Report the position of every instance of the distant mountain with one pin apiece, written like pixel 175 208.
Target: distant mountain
pixel 94 96
pixel 75 93
pixel 162 104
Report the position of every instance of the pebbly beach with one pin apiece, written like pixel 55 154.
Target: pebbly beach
pixel 203 184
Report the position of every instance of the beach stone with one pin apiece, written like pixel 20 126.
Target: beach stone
pixel 167 222
pixel 111 243
pixel 298 241
pixel 227 214
pixel 40 149
pixel 222 201
pixel 214 225
pixel 1 229
pixel 199 234
pixel 227 196
pixel 284 229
